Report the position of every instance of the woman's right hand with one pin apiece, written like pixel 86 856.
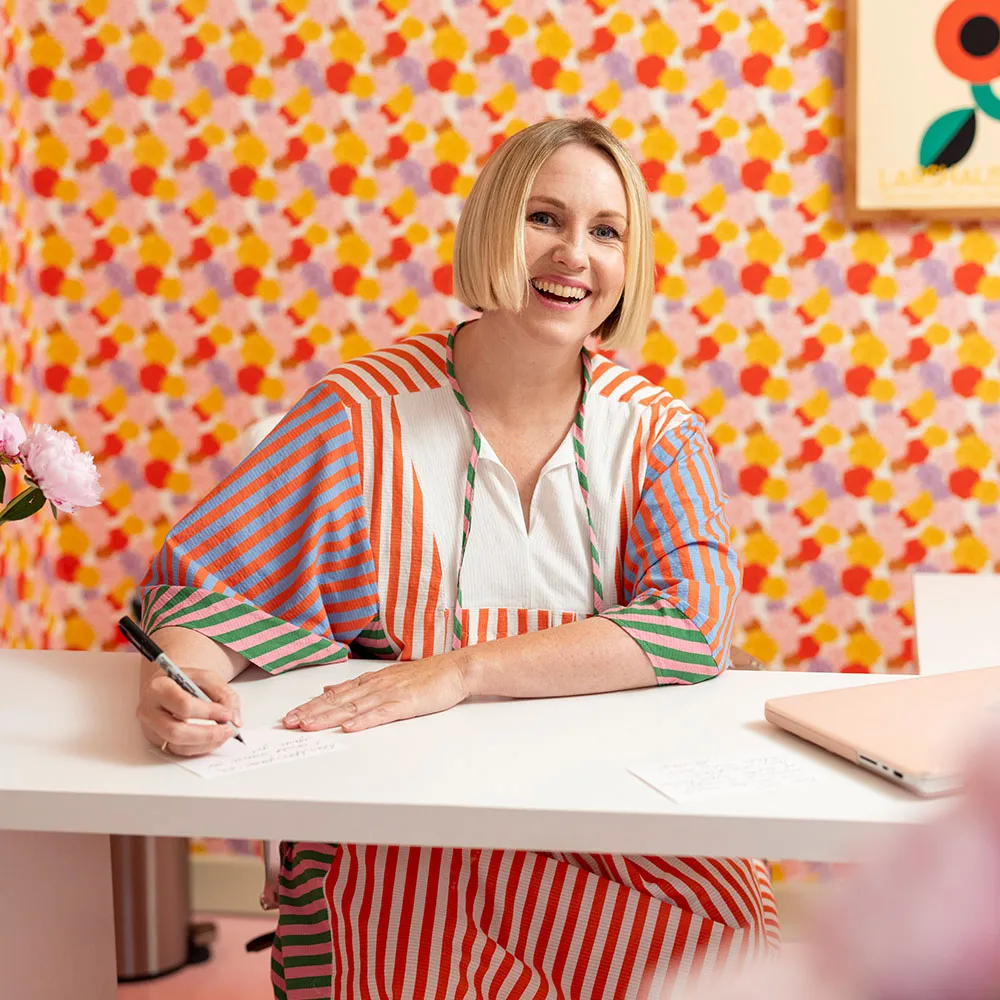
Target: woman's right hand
pixel 164 710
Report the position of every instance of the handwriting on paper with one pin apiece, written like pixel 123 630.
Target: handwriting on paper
pixel 263 747
pixel 707 778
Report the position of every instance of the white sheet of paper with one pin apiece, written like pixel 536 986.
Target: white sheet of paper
pixel 263 746
pixel 707 778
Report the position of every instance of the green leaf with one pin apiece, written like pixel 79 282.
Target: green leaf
pixel 55 513
pixel 3 483
pixel 948 139
pixel 23 505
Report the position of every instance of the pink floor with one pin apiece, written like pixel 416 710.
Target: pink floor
pixel 232 973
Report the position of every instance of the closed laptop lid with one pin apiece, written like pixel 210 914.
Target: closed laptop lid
pixel 922 726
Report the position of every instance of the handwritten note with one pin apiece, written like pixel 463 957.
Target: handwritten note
pixel 263 747
pixel 707 778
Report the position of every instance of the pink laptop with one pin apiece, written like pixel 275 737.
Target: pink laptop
pixel 914 731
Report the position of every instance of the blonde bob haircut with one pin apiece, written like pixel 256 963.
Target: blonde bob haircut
pixel 489 268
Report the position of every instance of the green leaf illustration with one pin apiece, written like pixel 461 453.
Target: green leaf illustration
pixel 948 139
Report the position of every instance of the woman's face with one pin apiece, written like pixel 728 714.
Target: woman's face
pixel 574 244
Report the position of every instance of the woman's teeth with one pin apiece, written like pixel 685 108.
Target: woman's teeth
pixel 561 291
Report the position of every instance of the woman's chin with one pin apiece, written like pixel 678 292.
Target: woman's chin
pixel 557 326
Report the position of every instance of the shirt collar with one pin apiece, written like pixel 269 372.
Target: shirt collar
pixel 561 457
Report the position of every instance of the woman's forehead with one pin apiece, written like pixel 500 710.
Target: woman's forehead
pixel 579 175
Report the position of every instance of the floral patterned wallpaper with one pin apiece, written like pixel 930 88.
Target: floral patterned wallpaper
pixel 206 204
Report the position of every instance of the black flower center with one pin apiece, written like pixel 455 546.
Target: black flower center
pixel 980 36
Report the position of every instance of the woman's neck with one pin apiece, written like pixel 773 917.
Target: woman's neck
pixel 511 377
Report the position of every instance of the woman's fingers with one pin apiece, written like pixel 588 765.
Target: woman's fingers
pixel 182 705
pixel 388 711
pixel 340 702
pixel 165 708
pixel 341 689
pixel 185 739
pixel 331 709
pixel 398 691
pixel 225 694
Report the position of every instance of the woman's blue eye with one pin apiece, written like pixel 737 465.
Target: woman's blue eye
pixel 602 232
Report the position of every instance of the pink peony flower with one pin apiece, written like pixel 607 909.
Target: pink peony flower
pixel 11 435
pixel 67 476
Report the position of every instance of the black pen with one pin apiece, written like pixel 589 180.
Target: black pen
pixel 154 654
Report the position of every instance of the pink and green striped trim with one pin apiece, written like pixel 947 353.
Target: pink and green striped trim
pixel 271 643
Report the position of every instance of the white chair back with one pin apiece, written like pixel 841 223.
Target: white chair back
pixel 956 620
pixel 256 432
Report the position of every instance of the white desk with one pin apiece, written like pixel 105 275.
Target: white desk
pixel 532 774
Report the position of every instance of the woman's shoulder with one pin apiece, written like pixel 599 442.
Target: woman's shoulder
pixel 621 387
pixel 413 364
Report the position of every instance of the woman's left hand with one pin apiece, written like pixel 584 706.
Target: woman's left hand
pixel 398 691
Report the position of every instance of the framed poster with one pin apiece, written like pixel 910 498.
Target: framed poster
pixel 922 115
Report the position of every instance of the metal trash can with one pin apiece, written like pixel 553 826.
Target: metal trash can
pixel 150 879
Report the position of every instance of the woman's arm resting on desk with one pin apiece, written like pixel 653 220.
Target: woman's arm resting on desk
pixel 164 708
pixel 584 657
pixel 680 583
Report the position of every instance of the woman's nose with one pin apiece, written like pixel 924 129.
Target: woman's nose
pixel 571 250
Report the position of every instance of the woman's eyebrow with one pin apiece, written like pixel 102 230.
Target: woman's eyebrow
pixel 606 213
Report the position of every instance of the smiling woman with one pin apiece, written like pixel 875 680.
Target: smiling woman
pixel 493 510
pixel 500 242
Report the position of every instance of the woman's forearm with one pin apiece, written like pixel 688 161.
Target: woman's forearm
pixel 584 657
pixel 188 648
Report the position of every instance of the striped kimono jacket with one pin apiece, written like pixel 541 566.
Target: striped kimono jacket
pixel 339 535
